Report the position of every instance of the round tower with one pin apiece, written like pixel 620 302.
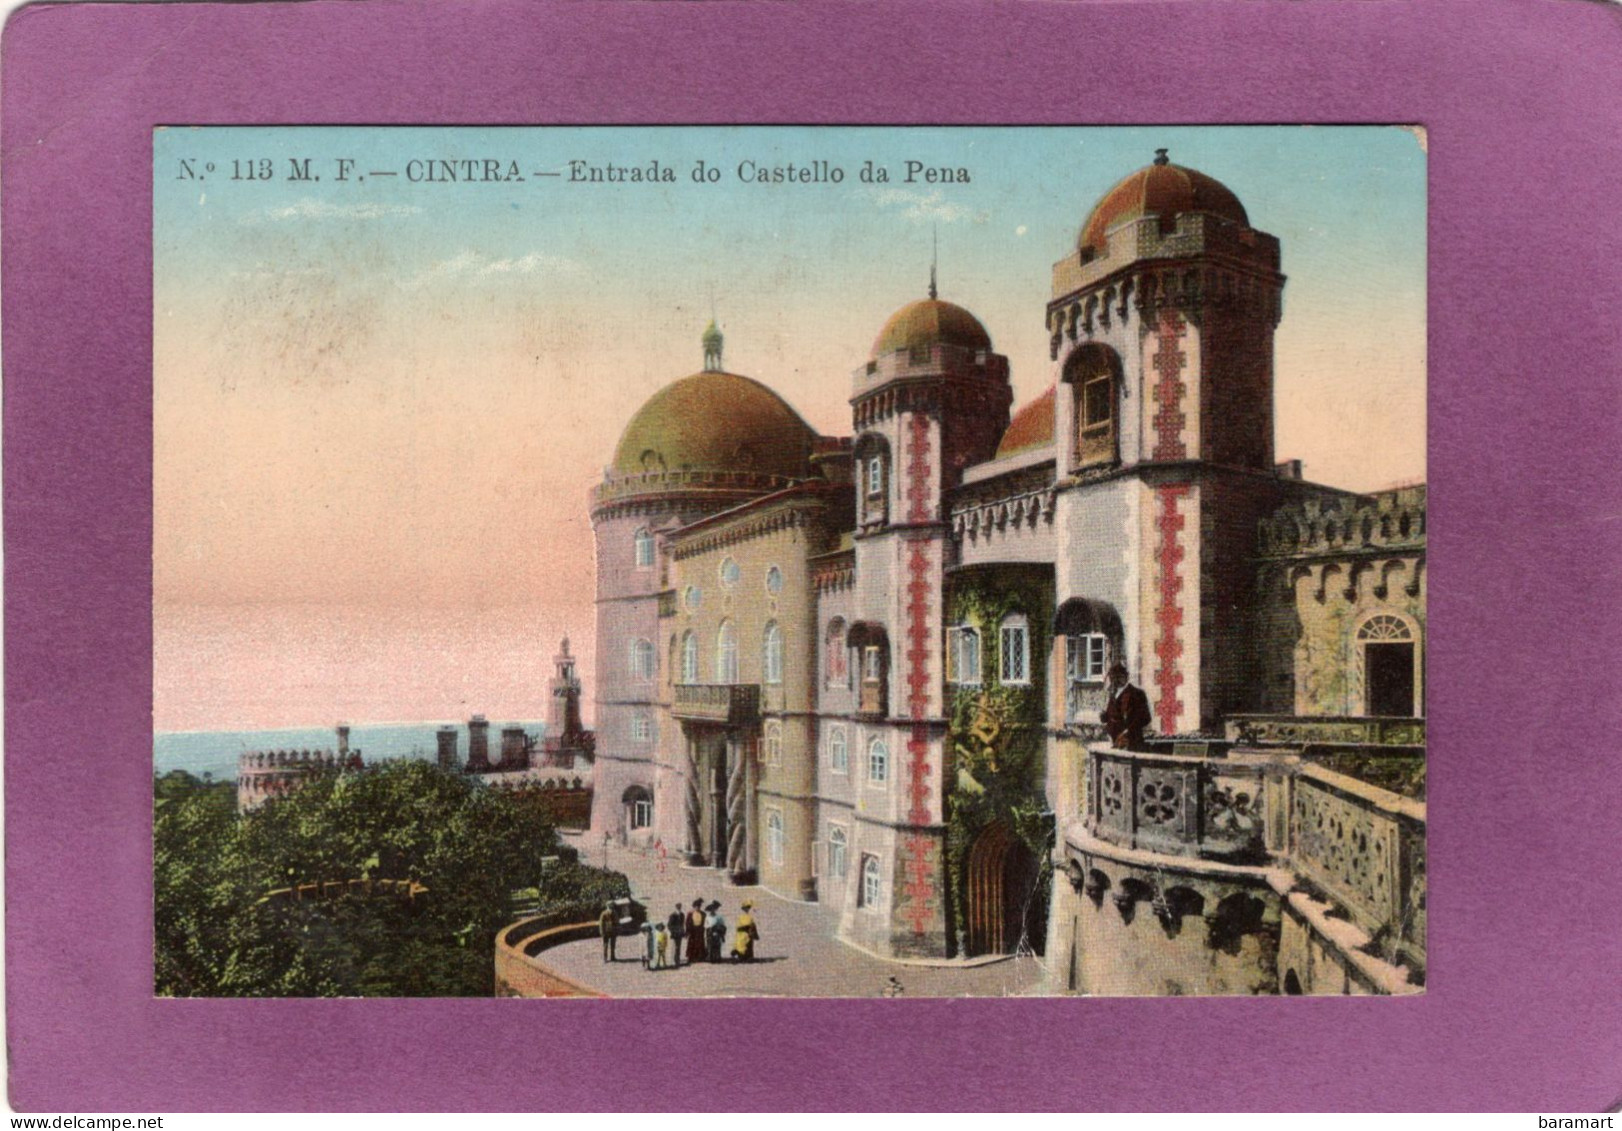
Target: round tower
pixel 700 445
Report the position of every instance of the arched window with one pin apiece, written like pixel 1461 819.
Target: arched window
pixel 872 882
pixel 773 649
pixel 644 661
pixel 837 843
pixel 836 658
pixel 774 581
pixel 878 762
pixel 774 835
pixel 689 657
pixel 644 548
pixel 726 654
pixel 838 752
pixel 692 597
pixel 963 654
pixel 730 573
pixel 1014 646
pixel 638 804
pixel 772 746
pixel 1390 657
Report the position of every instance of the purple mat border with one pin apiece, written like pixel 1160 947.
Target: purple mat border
pixel 1521 102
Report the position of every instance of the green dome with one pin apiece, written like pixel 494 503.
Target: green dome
pixel 715 421
pixel 928 322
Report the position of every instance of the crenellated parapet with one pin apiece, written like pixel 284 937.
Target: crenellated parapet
pixel 264 774
pixel 656 490
pixel 1385 521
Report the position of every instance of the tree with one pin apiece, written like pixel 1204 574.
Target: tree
pixel 468 845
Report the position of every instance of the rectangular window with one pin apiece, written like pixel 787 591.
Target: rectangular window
pixel 963 655
pixel 875 476
pixel 1084 657
pixel 641 814
pixel 872 670
pixel 1096 401
pixel 1015 654
pixel 642 728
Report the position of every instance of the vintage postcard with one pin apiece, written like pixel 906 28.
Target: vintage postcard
pixel 789 561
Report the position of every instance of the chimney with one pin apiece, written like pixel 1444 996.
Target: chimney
pixel 448 760
pixel 1289 469
pixel 512 748
pixel 343 739
pixel 478 745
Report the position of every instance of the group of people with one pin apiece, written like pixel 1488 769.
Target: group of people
pixel 701 931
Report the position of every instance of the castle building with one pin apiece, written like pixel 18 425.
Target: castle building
pixel 869 671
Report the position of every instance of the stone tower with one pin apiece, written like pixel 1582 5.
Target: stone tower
pixel 448 759
pixel 1161 329
pixel 932 400
pixel 478 745
pixel 563 706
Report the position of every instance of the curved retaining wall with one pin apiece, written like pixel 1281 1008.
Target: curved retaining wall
pixel 520 971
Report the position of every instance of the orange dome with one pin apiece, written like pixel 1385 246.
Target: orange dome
pixel 1031 428
pixel 1160 189
pixel 928 322
pixel 714 421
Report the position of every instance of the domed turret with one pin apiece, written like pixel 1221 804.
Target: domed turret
pixel 716 421
pixel 1159 189
pixel 928 322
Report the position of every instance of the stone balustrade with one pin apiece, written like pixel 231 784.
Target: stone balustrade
pixel 1178 804
pixel 1358 844
pixel 1301 730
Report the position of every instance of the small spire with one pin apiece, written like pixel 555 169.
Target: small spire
pixel 934 260
pixel 1161 158
pixel 712 347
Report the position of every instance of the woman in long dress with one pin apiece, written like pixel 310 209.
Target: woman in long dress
pixel 695 933
pixel 748 934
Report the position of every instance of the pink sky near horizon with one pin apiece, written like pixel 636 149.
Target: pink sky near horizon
pixel 374 451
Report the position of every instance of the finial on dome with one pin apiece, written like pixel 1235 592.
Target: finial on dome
pixel 1161 158
pixel 934 261
pixel 712 347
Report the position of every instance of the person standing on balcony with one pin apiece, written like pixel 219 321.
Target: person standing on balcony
pixel 1127 711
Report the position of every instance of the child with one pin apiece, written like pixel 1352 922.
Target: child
pixel 663 944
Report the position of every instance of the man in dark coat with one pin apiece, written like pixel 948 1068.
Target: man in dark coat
pixel 1127 711
pixel 676 924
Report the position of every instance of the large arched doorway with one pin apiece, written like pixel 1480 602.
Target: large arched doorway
pixel 1005 904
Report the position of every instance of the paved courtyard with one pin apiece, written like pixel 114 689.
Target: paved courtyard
pixel 797 956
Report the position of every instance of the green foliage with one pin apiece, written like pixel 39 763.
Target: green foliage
pixel 994 730
pixel 470 846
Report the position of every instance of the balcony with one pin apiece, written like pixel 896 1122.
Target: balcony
pixel 1338 730
pixel 1361 845
pixel 1182 805
pixel 727 704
